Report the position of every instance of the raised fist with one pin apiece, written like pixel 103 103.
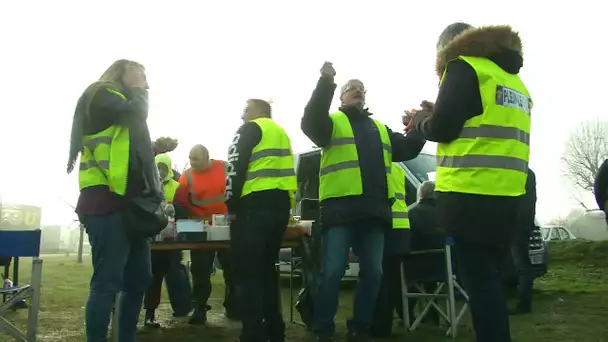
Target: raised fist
pixel 327 70
pixel 164 145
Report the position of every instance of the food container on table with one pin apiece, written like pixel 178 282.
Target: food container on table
pixel 218 233
pixel 219 220
pixel 191 230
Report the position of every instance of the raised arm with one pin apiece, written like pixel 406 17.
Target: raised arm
pixel 458 101
pixel 316 123
pixel 406 147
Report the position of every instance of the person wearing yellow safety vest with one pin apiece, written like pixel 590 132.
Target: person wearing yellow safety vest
pixel 109 133
pixel 260 187
pixel 167 264
pixel 396 245
pixel 356 196
pixel 481 120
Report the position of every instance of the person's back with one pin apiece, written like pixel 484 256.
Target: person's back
pixel 481 120
pixel 260 189
pixel 601 188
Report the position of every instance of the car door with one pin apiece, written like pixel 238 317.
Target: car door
pixel 564 235
pixel 554 234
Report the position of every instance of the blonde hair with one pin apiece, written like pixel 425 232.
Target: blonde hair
pixel 117 70
pixel 111 78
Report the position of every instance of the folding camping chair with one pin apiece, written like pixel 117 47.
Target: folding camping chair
pixel 22 243
pixel 447 285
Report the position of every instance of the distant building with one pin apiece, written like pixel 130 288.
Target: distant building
pixel 589 225
pixel 51 239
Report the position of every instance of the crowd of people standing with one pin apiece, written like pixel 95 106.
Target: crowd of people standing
pixel 480 120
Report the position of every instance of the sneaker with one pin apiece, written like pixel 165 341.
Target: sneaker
pixel 181 314
pixel 198 317
pixel 151 323
pixel 358 336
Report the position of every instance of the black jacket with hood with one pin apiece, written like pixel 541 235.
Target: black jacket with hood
pixel 374 205
pixel 476 218
pixel 601 188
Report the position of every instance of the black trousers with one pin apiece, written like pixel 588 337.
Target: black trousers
pixel 256 238
pixel 479 268
pixel 520 247
pixel 161 263
pixel 201 267
pixel 389 297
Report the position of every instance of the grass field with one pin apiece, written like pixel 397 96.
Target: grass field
pixel 570 304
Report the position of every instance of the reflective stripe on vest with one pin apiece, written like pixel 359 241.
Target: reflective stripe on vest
pixel 204 201
pixel 340 173
pixel 400 216
pixel 105 158
pixel 490 156
pixel 271 165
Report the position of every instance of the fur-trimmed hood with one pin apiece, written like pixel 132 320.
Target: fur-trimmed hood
pixel 479 42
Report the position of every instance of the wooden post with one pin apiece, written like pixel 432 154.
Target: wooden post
pixel 80 243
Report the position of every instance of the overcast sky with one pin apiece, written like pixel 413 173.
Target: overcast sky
pixel 204 59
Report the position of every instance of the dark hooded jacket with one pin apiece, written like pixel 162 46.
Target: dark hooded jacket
pixel 373 205
pixel 476 218
pixel 107 109
pixel 601 188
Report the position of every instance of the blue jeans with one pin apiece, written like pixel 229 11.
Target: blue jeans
pixel 367 241
pixel 119 265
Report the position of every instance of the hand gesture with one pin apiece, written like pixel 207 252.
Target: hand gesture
pixel 428 106
pixel 411 118
pixel 328 71
pixel 164 145
pixel 407 120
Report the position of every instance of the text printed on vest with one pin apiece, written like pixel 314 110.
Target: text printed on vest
pixel 512 98
pixel 233 157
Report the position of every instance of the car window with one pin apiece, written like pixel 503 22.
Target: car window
pixel 545 233
pixel 564 234
pixel 422 166
pixel 554 235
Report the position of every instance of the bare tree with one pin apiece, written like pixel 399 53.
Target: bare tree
pixel 559 221
pixel 586 149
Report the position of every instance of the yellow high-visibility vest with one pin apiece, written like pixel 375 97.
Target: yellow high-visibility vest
pixel 170 188
pixel 400 218
pixel 271 165
pixel 340 174
pixel 490 157
pixel 105 157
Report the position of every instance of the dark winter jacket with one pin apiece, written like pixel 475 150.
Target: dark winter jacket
pixel 374 203
pixel 527 211
pixel 239 154
pixel 108 109
pixel 425 226
pixel 601 188
pixel 475 218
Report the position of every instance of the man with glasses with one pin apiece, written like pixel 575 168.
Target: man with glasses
pixel 356 199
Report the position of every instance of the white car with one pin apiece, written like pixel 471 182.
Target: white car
pixel 556 233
